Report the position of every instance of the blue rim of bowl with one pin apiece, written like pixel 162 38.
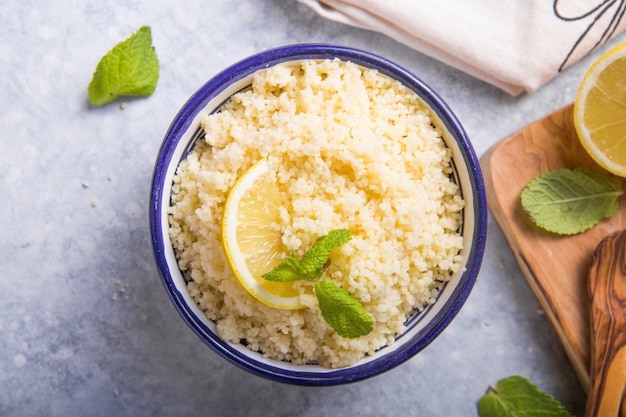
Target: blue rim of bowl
pixel 245 67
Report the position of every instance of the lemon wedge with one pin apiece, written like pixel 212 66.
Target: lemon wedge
pixel 600 111
pixel 251 239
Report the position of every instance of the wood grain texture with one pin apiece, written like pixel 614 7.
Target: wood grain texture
pixel 555 267
pixel 607 298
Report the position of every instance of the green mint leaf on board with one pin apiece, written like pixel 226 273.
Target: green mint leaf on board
pixel 567 202
pixel 131 68
pixel 342 311
pixel 516 396
pixel 313 262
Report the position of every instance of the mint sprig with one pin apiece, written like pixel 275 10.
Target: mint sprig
pixel 131 68
pixel 313 262
pixel 517 396
pixel 339 308
pixel 570 201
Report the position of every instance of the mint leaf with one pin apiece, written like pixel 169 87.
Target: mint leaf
pixel 339 308
pixel 516 396
pixel 314 260
pixel 287 271
pixel 131 68
pixel 342 311
pixel 567 202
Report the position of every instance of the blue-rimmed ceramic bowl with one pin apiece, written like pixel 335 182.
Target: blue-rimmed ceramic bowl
pixel 421 329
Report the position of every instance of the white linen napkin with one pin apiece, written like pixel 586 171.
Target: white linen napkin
pixel 516 45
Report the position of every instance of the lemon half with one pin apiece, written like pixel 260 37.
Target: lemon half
pixel 252 240
pixel 600 111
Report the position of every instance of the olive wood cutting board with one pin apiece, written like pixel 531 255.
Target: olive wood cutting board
pixel 556 267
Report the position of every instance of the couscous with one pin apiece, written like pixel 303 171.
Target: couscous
pixel 351 148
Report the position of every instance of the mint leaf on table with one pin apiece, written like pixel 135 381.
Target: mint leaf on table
pixel 342 311
pixel 570 201
pixel 131 68
pixel 516 396
pixel 339 308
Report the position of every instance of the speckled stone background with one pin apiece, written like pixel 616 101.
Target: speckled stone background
pixel 85 325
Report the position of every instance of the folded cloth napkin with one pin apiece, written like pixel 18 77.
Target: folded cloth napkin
pixel 516 45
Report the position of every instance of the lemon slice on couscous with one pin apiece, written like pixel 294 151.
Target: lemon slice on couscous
pixel 600 111
pixel 251 240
